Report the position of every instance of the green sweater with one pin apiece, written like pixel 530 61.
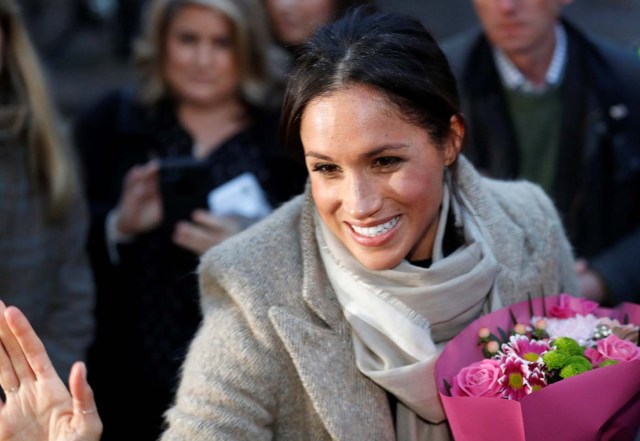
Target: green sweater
pixel 536 120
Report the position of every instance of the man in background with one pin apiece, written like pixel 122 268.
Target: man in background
pixel 548 103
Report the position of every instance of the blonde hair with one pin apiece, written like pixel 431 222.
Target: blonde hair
pixel 50 162
pixel 251 41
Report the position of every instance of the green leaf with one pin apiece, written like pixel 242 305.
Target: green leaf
pixel 504 335
pixel 513 317
pixel 447 386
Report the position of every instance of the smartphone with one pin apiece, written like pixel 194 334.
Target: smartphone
pixel 184 185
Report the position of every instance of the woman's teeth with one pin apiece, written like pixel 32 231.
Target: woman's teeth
pixel 377 230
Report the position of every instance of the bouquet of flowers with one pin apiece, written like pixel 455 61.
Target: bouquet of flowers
pixel 555 368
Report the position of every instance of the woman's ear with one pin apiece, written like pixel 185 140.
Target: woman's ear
pixel 455 139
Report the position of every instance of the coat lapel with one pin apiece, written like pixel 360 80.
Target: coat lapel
pixel 350 405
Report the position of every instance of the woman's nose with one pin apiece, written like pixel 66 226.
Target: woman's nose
pixel 204 54
pixel 361 198
pixel 507 5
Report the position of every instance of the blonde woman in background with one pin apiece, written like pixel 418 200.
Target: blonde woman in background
pixel 206 97
pixel 43 222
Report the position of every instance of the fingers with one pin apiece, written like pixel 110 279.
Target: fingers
pixel 8 378
pixel 223 225
pixel 15 368
pixel 195 238
pixel 207 231
pixel 208 220
pixel 142 181
pixel 140 206
pixel 31 346
pixel 581 266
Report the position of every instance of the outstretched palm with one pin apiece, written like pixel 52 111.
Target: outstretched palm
pixel 38 406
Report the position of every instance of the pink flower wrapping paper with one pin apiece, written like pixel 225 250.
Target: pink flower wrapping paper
pixel 601 404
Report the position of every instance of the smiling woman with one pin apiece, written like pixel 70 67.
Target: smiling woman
pixel 397 244
pixel 325 321
pixel 376 178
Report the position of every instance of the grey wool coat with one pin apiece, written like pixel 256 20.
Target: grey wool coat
pixel 273 358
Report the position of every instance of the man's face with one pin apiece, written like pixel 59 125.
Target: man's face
pixel 518 27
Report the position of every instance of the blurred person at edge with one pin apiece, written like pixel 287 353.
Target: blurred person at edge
pixel 205 93
pixel 294 21
pixel 43 219
pixel 549 103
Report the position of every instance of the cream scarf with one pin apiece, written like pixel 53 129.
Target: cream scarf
pixel 401 318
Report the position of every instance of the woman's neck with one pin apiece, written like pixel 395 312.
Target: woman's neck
pixel 211 125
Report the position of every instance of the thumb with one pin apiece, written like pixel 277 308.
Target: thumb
pixel 84 404
pixel 82 394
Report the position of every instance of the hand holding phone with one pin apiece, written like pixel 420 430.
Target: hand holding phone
pixel 140 208
pixel 184 185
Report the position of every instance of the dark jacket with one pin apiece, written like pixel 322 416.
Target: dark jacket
pixel 147 304
pixel 598 170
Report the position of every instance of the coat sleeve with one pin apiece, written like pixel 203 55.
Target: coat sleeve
pixel 618 267
pixel 567 276
pixel 70 323
pixel 230 378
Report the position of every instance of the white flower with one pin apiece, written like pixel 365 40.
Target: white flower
pixel 580 328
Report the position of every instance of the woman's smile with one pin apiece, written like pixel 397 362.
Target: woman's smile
pixel 375 230
pixel 376 178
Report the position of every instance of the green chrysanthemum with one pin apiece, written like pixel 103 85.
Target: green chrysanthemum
pixel 577 364
pixel 556 359
pixel 568 345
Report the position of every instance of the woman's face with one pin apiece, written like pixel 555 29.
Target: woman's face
pixel 376 179
pixel 294 21
pixel 200 65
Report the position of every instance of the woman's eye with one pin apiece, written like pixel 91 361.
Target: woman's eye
pixel 186 38
pixel 325 169
pixel 222 42
pixel 387 161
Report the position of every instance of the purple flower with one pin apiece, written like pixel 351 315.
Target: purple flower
pixel 515 372
pixel 531 351
pixel 537 380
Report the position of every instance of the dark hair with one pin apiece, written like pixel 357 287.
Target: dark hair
pixel 342 6
pixel 391 53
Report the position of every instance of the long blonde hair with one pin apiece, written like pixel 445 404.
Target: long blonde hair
pixel 252 45
pixel 50 162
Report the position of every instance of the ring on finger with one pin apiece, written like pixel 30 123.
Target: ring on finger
pixel 85 411
pixel 10 390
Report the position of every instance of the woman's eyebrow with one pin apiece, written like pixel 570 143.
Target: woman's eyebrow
pixel 369 154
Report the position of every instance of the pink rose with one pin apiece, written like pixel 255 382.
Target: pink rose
pixel 479 379
pixel 569 306
pixel 594 356
pixel 614 348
